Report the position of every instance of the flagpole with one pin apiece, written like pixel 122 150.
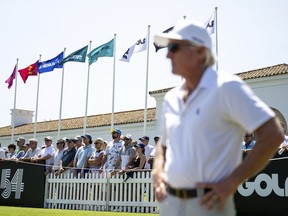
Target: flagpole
pixel 61 98
pixel 146 88
pixel 37 98
pixel 216 26
pixel 87 92
pixel 14 109
pixel 113 91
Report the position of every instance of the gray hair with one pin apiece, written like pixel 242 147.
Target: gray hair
pixel 33 141
pixel 209 58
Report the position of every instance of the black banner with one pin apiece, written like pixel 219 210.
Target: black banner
pixel 267 192
pixel 21 184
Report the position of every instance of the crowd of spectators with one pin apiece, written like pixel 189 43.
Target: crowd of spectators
pixel 83 154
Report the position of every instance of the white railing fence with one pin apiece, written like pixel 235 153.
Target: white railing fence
pixel 101 192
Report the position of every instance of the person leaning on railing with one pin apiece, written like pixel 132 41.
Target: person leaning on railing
pixel 66 162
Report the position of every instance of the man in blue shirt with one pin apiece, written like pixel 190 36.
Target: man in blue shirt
pixel 248 142
pixel 82 156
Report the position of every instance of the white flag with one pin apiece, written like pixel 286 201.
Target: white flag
pixel 210 24
pixel 139 46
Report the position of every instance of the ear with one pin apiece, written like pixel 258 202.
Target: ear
pixel 201 50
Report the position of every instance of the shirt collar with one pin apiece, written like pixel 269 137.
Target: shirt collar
pixel 206 81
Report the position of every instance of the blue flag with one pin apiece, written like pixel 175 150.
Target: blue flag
pixel 49 65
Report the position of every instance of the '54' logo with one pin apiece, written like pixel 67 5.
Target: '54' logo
pixel 15 185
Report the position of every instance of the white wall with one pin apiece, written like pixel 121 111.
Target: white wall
pixel 273 91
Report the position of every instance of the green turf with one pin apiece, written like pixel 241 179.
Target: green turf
pixel 19 211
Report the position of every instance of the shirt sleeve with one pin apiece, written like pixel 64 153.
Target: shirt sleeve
pixel 246 109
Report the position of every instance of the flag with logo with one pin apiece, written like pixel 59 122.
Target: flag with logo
pixel 31 70
pixel 139 46
pixel 50 64
pixel 210 24
pixel 11 78
pixel 160 47
pixel 77 56
pixel 105 50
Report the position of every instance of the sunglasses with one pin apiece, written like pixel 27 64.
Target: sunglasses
pixel 174 47
pixel 96 143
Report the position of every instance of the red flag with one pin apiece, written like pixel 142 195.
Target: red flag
pixel 31 70
pixel 11 78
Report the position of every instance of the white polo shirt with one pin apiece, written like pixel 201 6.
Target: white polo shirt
pixel 49 151
pixel 203 136
pixel 149 152
pixel 32 153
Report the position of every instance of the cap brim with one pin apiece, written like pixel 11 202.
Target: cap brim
pixel 164 38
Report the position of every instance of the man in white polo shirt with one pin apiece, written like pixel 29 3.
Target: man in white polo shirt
pixel 149 151
pixel 198 161
pixel 47 154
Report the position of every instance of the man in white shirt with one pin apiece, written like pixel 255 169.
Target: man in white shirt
pixel 55 164
pixel 127 154
pixel 47 154
pixel 149 151
pixel 82 156
pixel 33 151
pixel 198 166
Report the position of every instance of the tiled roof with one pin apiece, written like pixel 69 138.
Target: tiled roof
pixel 252 74
pixel 127 117
pixel 264 72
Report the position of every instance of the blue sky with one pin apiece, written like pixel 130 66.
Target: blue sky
pixel 251 34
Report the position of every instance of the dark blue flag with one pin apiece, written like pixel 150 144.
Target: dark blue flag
pixel 49 65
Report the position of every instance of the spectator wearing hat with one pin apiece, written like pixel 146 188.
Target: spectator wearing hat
pixel 68 156
pixel 20 144
pixel 82 155
pixel 149 151
pixel 140 159
pixel 126 155
pixel 78 142
pixel 26 147
pixel 47 153
pixel 96 159
pixel 33 150
pixel 112 151
pixel 55 164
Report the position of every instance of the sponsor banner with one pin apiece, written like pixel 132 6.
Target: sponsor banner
pixel 21 184
pixel 267 192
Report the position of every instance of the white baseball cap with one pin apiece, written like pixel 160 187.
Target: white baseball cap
pixel 188 30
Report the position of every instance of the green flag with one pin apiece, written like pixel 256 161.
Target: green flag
pixel 77 56
pixel 101 51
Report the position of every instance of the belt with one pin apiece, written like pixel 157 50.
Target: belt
pixel 185 193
